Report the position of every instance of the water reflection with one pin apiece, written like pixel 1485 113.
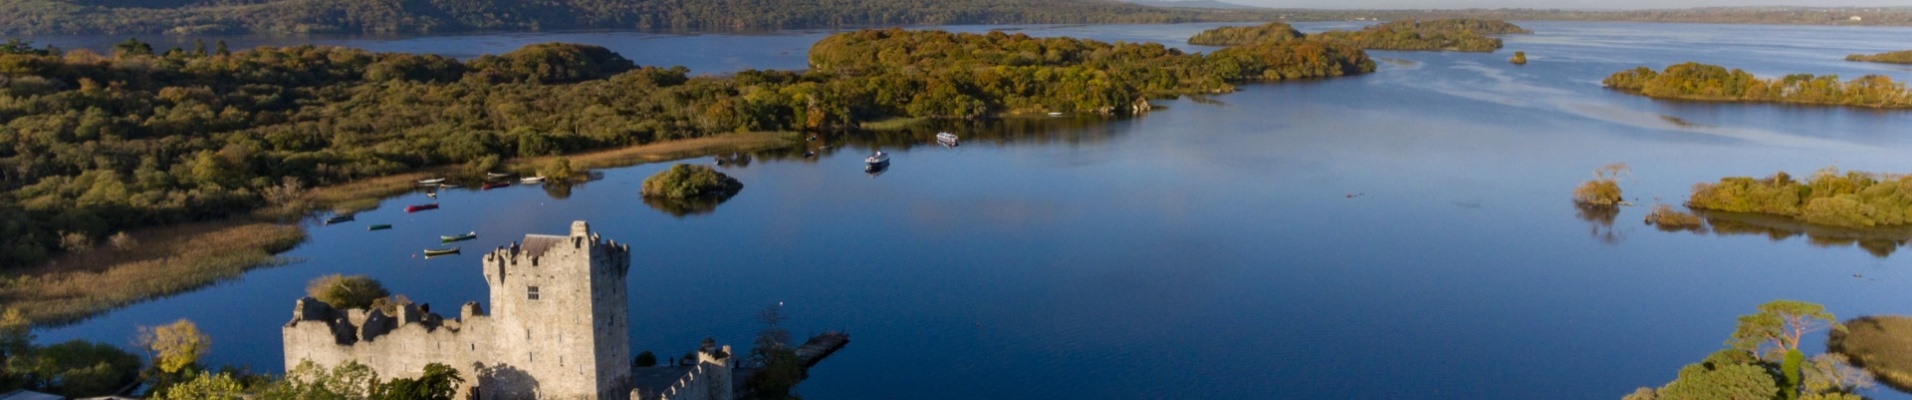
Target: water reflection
pixel 1600 221
pixel 1880 242
pixel 687 206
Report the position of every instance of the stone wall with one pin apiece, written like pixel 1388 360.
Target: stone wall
pixel 557 329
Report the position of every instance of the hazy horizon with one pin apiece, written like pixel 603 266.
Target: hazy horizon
pixel 1607 5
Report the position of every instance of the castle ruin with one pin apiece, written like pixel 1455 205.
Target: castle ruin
pixel 557 329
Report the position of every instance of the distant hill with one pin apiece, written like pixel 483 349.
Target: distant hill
pixel 1192 4
pixel 41 17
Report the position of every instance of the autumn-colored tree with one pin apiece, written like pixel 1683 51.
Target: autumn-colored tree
pixel 175 346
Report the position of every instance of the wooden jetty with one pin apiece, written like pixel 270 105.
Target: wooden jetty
pixel 820 346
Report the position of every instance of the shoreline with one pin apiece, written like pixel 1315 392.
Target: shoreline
pixel 163 261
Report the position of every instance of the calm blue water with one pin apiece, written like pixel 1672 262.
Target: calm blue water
pixel 1206 250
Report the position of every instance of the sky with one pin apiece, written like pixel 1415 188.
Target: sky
pixel 1565 4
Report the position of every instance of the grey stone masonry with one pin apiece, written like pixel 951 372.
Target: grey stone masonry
pixel 557 328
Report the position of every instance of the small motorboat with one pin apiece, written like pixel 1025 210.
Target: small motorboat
pixel 449 186
pixel 875 169
pixel 338 219
pixel 497 175
pixel 429 253
pixel 1055 113
pixel 379 227
pixel 421 207
pixel 495 185
pixel 433 195
pixel 431 182
pixel 531 180
pixel 947 139
pixel 877 159
pixel 459 237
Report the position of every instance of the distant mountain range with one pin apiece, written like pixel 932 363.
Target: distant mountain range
pixel 1191 4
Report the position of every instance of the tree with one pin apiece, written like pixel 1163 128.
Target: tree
pixel 1723 382
pixel 644 359
pixel 205 386
pixel 219 48
pixel 346 292
pixel 439 382
pixel 175 346
pixel 558 169
pixel 309 381
pixel 1604 189
pixel 1782 324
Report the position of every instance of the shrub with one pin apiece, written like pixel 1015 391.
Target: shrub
pixel 683 181
pixel 1665 218
pixel 346 292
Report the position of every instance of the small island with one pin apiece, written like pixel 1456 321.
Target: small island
pixel 1520 58
pixel 1852 199
pixel 1891 57
pixel 1695 81
pixel 683 181
pixel 1458 34
pixel 1236 35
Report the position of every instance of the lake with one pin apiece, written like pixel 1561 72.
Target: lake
pixel 1403 234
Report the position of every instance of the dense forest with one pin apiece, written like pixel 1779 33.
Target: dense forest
pixel 1695 81
pixel 1894 57
pixel 42 17
pixel 1234 35
pixel 1411 34
pixel 1828 197
pixel 97 144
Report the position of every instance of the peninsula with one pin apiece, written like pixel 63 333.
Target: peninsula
pixel 1892 57
pixel 1695 81
pixel 1409 34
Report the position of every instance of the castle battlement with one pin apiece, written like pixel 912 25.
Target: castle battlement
pixel 558 326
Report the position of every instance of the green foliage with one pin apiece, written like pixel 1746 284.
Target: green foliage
pixel 1739 372
pixel 551 63
pixel 1695 81
pixel 686 181
pixel 1723 382
pixel 1894 57
pixel 557 170
pixel 1781 324
pixel 102 145
pixel 1789 368
pixel 438 382
pixel 1234 35
pixel 308 381
pixel 346 292
pixel 80 368
pixel 1412 34
pixel 205 386
pixel 1852 199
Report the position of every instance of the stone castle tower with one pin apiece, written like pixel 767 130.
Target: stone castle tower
pixel 558 327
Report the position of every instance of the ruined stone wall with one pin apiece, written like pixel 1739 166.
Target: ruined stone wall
pixel 557 329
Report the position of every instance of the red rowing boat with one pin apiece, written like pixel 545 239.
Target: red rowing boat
pixel 495 185
pixel 421 207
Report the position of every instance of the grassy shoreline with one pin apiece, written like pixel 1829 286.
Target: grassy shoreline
pixel 168 260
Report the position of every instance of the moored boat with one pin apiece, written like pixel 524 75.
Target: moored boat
pixel 338 219
pixel 534 179
pixel 430 182
pixel 439 252
pixel 877 159
pixel 379 227
pixel 495 185
pixel 458 237
pixel 947 139
pixel 496 175
pixel 421 207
